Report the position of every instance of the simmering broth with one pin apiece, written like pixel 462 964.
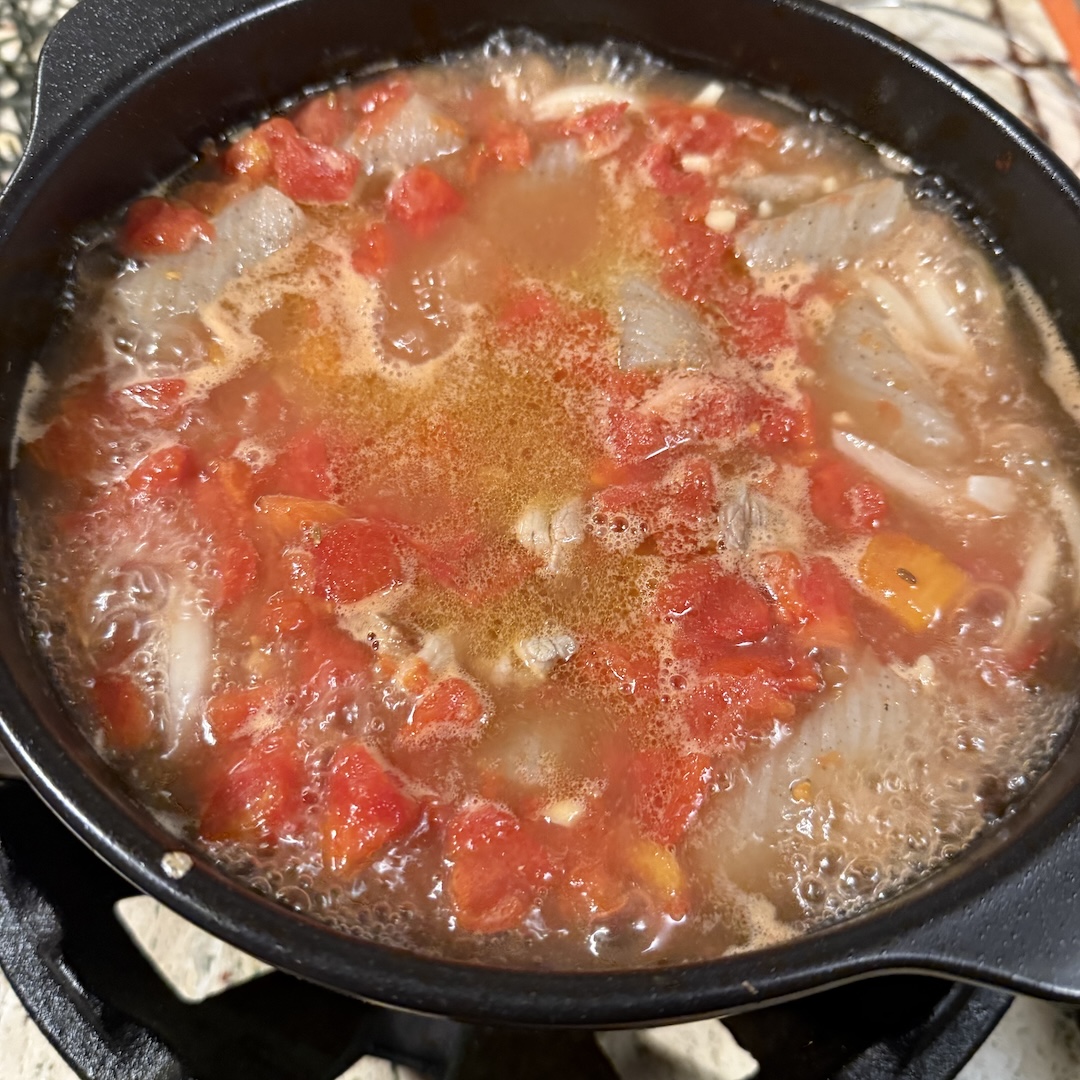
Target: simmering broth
pixel 540 507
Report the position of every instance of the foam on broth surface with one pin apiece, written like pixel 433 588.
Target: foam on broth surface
pixel 556 511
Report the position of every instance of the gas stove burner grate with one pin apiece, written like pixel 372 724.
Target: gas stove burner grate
pixel 104 1007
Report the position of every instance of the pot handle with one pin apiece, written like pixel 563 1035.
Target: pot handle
pixel 1013 924
pixel 101 46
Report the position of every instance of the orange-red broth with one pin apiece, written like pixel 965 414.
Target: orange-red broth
pixel 388 573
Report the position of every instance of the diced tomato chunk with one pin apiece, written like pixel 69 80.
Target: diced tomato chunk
pixel 162 471
pixel 249 159
pixel 292 517
pixel 302 469
pixel 124 710
pixel 259 799
pixel 421 199
pixel 331 658
pixel 688 129
pixel 746 695
pixel 616 665
pixel 155 226
pixel 354 559
pixel 450 707
pixel 496 869
pixel 667 788
pixel 502 145
pixel 660 164
pixel 366 808
pixel 373 249
pixel 757 324
pixel 229 711
pixel 323 119
pixel 844 499
pixel 601 130
pixel 306 171
pixel 285 613
pixel 377 103
pixel 223 510
pixel 711 610
pixel 159 396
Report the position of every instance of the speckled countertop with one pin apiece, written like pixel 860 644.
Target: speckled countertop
pixel 1016 52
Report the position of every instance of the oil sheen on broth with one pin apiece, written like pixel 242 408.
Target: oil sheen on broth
pixel 543 508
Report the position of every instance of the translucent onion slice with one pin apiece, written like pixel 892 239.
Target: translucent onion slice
pixel 658 331
pixel 829 231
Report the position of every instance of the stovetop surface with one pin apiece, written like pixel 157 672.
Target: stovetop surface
pixel 899 1027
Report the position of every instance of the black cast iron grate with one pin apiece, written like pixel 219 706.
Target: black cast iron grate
pixel 108 1012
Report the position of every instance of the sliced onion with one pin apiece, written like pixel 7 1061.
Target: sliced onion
pixel 996 493
pixel 568 100
pixel 187 646
pixel 867 366
pixel 658 331
pixel 914 483
pixel 778 187
pixel 418 133
pixel 558 160
pixel 1064 501
pixel 1035 588
pixel 865 723
pixel 830 231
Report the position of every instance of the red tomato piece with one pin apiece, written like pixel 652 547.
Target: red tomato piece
pixel 162 471
pixel 376 104
pixel 259 799
pixel 301 469
pixel 366 808
pixel 421 200
pixel 815 597
pixel 677 510
pixel 616 665
pixel 285 614
pixel 757 325
pixel 688 129
pixel 354 559
pixel 667 788
pixel 829 597
pixel 592 884
pixel 249 159
pixel 601 130
pixel 845 499
pixel 324 119
pixel 634 435
pixel 373 249
pixel 496 869
pixel 711 610
pixel 164 396
pixel 125 712
pixel 450 707
pixel 331 658
pixel 660 164
pixel 502 145
pixel 228 712
pixel 154 226
pixel 746 696
pixel 697 262
pixel 224 512
pixel 306 171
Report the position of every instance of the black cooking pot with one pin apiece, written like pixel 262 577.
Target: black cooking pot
pixel 129 88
